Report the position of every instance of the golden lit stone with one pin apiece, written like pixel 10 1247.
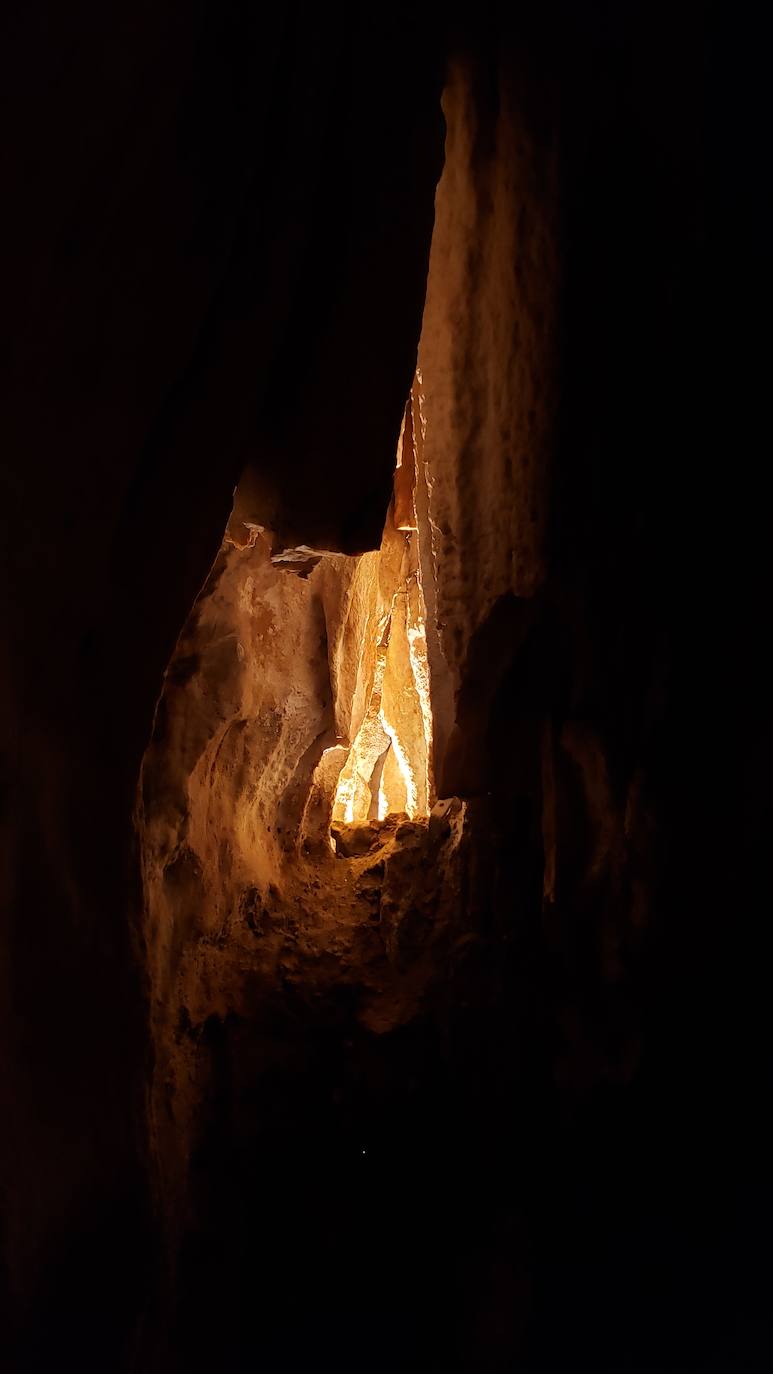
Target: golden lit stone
pixel 387 770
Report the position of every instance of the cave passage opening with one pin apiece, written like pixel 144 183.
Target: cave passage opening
pixel 300 872
pixel 388 768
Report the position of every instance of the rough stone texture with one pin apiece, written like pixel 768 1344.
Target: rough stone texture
pixel 282 670
pixel 198 197
pixel 488 356
pixel 533 1137
pixel 552 843
pixel 388 769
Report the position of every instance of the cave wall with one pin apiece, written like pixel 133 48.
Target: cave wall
pixel 196 196
pixel 272 678
pixel 289 953
pixel 584 644
pixel 551 644
pixel 192 273
pixel 489 363
pixel 586 1026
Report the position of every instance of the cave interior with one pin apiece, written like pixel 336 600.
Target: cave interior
pixel 383 782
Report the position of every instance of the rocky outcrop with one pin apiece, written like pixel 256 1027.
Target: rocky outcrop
pixel 488 355
pixel 198 200
pixel 294 725
pixel 458 1092
pixel 508 932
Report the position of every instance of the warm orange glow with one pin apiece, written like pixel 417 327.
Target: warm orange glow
pixel 387 770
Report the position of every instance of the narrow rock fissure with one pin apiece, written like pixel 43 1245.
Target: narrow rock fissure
pixel 300 876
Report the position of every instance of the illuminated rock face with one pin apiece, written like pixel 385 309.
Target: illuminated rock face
pixel 463 992
pixel 303 887
pixel 285 798
pixel 317 704
pixel 217 214
pixel 388 768
pixel 487 359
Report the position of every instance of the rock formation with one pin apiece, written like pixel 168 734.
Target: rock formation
pixel 384 851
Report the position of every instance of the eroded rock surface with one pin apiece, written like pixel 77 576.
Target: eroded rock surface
pixel 297 698
pixel 301 680
pixel 454 1096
